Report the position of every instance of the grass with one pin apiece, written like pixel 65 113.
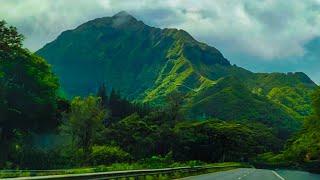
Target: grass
pixel 178 175
pixel 125 166
pixel 4 174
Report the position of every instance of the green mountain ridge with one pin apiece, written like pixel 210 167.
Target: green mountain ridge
pixel 149 63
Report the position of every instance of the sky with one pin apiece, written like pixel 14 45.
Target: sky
pixel 262 36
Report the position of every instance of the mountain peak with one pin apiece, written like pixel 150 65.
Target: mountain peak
pixel 123 18
pixel 122 13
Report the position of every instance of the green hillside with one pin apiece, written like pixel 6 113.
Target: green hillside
pixel 148 63
pixel 306 140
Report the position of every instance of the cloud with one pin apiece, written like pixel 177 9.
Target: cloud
pixel 266 29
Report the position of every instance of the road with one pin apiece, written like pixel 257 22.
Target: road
pixel 256 174
pixel 298 175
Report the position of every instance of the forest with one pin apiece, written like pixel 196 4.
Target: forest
pixel 42 129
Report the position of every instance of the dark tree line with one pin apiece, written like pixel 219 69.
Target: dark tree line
pixel 119 106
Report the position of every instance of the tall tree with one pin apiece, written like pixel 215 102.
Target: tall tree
pixel 84 121
pixel 316 102
pixel 174 104
pixel 103 96
pixel 114 103
pixel 10 41
pixel 28 89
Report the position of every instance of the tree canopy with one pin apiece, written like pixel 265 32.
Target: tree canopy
pixel 10 40
pixel 84 121
pixel 28 88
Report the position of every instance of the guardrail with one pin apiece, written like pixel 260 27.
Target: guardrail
pixel 125 174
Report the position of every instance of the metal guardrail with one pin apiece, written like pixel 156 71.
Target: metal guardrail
pixel 123 174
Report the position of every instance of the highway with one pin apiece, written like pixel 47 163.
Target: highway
pixel 256 174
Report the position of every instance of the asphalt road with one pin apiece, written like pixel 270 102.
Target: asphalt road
pixel 298 175
pixel 256 174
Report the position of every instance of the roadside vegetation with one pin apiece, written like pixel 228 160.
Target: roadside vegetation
pixel 159 162
pixel 302 150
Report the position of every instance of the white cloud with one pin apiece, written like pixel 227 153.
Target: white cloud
pixel 266 29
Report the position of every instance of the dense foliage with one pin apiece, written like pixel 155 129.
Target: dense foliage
pixel 28 90
pixel 85 139
pixel 108 155
pixel 303 148
pixel 212 141
pixel 119 106
pixel 305 144
pixel 84 121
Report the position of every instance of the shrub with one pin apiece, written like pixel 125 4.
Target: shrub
pixel 158 161
pixel 104 155
pixel 195 163
pixel 277 158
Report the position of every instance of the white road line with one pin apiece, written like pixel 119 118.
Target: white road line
pixel 246 174
pixel 278 175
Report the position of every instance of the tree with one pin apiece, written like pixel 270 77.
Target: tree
pixel 102 155
pixel 133 134
pixel 215 140
pixel 316 102
pixel 84 121
pixel 103 96
pixel 29 90
pixel 10 40
pixel 113 103
pixel 174 101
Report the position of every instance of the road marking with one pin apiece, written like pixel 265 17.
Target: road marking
pixel 278 175
pixel 246 174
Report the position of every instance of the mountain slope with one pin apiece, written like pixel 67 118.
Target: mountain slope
pixel 122 51
pixel 148 63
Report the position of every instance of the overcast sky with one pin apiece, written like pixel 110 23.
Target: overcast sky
pixel 264 35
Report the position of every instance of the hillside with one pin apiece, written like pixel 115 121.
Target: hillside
pixel 306 140
pixel 148 63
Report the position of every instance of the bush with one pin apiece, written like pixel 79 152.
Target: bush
pixel 277 158
pixel 76 157
pixel 270 160
pixel 195 163
pixel 80 171
pixel 104 155
pixel 38 158
pixel 4 174
pixel 158 161
pixel 191 163
pixel 264 157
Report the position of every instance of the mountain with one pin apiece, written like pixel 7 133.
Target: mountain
pixel 126 52
pixel 148 63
